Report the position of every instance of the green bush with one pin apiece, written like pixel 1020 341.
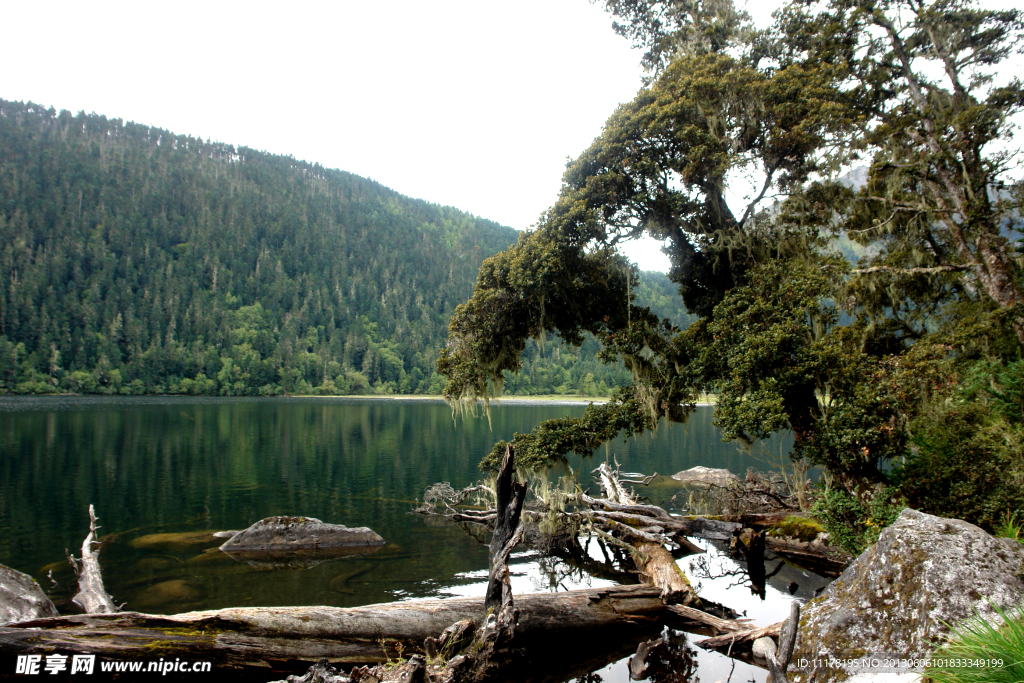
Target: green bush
pixel 854 524
pixel 980 640
pixel 966 463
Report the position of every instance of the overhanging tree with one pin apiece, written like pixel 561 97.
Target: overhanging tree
pixel 786 107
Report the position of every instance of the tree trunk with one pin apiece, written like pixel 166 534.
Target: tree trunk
pixel 507 532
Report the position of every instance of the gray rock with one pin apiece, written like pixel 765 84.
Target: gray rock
pixel 897 597
pixel 226 534
pixel 762 646
pixel 299 533
pixel 708 477
pixel 21 598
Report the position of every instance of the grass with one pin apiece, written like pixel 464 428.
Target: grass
pixel 996 651
pixel 1011 527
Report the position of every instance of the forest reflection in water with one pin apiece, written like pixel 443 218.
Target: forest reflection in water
pixel 165 472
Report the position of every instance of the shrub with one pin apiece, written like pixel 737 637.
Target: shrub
pixel 854 524
pixel 965 463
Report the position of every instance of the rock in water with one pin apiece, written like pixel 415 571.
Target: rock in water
pixel 707 477
pixel 299 533
pixel 762 646
pixel 21 598
pixel 897 597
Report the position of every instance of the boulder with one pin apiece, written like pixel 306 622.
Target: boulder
pixel 707 477
pixel 299 533
pixel 21 598
pixel 899 595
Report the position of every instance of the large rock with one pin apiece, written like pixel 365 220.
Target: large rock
pixel 21 598
pixel 897 597
pixel 707 477
pixel 299 533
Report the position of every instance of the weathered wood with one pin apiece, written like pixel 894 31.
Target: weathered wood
pixel 705 527
pixel 717 625
pixel 638 662
pixel 821 559
pixel 776 669
pixel 787 639
pixel 507 532
pixel 256 636
pixel 656 565
pixel 636 508
pixel 91 596
pixel 738 637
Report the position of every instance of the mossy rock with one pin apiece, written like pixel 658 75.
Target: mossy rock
pixel 900 596
pixel 801 528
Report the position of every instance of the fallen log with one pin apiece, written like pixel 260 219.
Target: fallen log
pixel 262 636
pixel 728 640
pixel 656 565
pixel 706 527
pixel 819 558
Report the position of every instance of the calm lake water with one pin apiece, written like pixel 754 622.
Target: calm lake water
pixel 164 473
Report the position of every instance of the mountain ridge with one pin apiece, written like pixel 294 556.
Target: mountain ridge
pixel 140 261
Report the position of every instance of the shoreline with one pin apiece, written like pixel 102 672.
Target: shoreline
pixel 520 400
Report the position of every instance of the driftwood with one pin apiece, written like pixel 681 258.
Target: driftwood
pixel 495 642
pixel 255 638
pixel 787 640
pixel 776 669
pixel 663 660
pixel 656 565
pixel 91 596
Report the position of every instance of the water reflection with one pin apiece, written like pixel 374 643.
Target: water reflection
pixel 167 472
pixel 162 468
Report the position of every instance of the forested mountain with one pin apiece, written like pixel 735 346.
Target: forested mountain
pixel 136 260
pixel 139 261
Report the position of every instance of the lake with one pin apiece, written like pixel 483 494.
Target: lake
pixel 164 472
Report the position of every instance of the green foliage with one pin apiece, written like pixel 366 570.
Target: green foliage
pixel 785 329
pixel 1007 391
pixel 133 260
pixel 980 639
pixel 855 522
pixel 1011 526
pixel 775 363
pixel 553 439
pixel 801 528
pixel 964 463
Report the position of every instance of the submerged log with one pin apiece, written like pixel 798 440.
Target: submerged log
pixel 91 596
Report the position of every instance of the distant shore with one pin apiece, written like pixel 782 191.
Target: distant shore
pixel 537 399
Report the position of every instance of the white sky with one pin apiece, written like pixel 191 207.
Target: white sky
pixel 471 103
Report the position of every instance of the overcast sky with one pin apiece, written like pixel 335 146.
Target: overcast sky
pixel 472 103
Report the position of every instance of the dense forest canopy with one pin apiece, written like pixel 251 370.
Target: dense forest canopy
pixel 139 261
pixel 912 355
